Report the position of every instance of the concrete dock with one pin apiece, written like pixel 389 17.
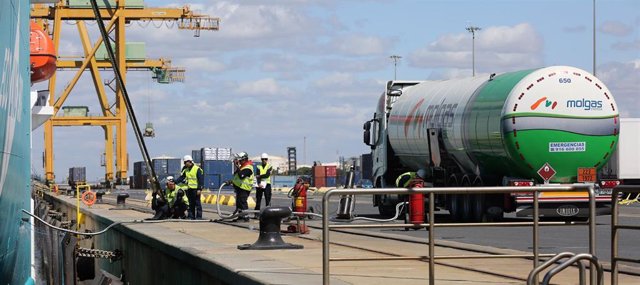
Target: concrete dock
pixel 205 252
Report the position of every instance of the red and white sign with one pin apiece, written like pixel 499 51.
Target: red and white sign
pixel 546 172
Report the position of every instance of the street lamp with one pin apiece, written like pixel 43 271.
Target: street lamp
pixel 395 59
pixel 472 30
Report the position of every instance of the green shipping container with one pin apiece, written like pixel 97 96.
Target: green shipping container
pixel 133 51
pixel 75 111
pixel 105 3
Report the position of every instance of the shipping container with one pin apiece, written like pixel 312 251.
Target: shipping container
pixel 139 168
pixel 208 153
pixel 174 166
pixel 217 167
pixel 212 181
pixel 319 182
pixel 196 154
pixel 330 181
pixel 77 175
pixel 331 171
pixel 223 153
pixel 319 171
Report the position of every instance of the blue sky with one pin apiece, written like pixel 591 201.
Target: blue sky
pixel 278 72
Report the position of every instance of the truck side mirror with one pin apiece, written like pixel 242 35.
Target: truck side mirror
pixel 367 133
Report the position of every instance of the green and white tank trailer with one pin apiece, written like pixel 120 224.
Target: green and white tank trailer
pixel 498 128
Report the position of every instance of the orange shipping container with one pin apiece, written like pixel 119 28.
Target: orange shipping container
pixel 319 171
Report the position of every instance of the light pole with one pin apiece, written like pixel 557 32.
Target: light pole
pixel 472 30
pixel 594 37
pixel 395 59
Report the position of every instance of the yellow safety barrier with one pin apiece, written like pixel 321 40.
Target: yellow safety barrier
pixel 222 200
pixel 231 201
pixel 214 199
pixel 207 199
pixel 251 202
pixel 202 199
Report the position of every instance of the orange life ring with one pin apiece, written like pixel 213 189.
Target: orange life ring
pixel 88 198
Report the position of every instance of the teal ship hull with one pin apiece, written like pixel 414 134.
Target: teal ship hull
pixel 15 138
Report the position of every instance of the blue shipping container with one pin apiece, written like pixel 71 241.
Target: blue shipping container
pixel 217 167
pixel 331 181
pixel 283 181
pixel 174 166
pixel 212 181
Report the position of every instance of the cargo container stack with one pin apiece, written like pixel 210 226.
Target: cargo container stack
pixel 319 176
pixel 331 176
pixel 282 181
pixel 217 166
pixel 77 176
pixel 163 167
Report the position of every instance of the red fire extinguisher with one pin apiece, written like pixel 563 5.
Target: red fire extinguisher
pixel 416 203
pixel 300 197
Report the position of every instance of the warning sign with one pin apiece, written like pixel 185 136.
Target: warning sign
pixel 586 174
pixel 546 172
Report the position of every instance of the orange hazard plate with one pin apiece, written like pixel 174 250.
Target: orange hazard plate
pixel 586 174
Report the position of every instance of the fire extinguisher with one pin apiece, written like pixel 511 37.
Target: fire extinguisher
pixel 416 203
pixel 300 197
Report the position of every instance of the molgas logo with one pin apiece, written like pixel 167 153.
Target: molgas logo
pixel 544 103
pixel 585 104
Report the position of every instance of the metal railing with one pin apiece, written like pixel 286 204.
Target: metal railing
pixel 431 225
pixel 615 227
pixel 573 258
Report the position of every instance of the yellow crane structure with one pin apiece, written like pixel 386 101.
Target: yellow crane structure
pixel 118 13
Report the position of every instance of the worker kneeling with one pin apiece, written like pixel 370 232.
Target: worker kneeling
pixel 177 202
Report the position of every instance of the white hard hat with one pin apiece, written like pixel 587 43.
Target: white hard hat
pixel 170 179
pixel 264 156
pixel 242 155
pixel 187 158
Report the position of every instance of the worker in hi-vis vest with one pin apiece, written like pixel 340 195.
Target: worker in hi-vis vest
pixel 192 175
pixel 242 184
pixel 264 183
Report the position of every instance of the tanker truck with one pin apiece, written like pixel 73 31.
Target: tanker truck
pixel 522 128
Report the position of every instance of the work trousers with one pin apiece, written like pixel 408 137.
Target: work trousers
pixel 267 196
pixel 195 207
pixel 241 199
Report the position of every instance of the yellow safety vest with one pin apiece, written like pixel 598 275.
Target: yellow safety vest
pixel 262 171
pixel 410 175
pixel 191 176
pixel 247 182
pixel 172 195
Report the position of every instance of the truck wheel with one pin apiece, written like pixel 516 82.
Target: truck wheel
pixel 478 209
pixel 455 207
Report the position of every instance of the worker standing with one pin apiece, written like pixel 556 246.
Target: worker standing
pixel 192 175
pixel 264 183
pixel 242 183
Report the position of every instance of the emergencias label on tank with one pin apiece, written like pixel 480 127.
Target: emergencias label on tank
pixel 567 146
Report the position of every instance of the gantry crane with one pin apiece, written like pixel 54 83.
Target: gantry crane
pixel 118 13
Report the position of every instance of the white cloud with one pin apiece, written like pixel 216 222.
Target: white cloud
pixel 262 87
pixel 360 45
pixel 632 45
pixel 202 64
pixel 501 47
pixel 615 28
pixel 623 79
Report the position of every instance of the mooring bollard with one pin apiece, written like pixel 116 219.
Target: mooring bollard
pixel 99 197
pixel 120 200
pixel 269 238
